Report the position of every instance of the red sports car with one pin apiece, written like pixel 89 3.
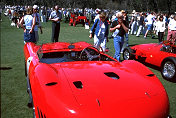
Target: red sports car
pixel 78 81
pixel 162 55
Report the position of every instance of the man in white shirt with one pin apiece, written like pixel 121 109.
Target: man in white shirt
pixel 150 20
pixel 172 30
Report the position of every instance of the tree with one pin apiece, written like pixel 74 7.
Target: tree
pixel 139 5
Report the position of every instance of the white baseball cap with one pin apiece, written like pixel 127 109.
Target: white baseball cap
pixel 35 7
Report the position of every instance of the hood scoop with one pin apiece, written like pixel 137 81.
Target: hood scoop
pixel 51 84
pixel 78 84
pixel 151 75
pixel 112 75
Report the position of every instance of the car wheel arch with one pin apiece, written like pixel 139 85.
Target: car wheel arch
pixel 131 56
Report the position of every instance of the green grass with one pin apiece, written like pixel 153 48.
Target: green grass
pixel 14 97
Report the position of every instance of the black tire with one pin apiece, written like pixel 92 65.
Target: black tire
pixel 168 69
pixel 127 54
pixel 25 68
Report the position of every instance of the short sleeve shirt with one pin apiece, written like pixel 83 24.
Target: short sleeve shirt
pixel 121 30
pixel 172 24
pixel 150 19
pixel 37 21
pixel 28 21
pixel 55 14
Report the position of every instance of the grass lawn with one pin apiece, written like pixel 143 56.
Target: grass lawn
pixel 14 97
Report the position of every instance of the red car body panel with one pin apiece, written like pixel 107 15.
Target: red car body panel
pixel 74 20
pixel 152 53
pixel 84 89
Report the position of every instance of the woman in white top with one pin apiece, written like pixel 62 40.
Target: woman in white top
pixel 29 21
pixel 160 28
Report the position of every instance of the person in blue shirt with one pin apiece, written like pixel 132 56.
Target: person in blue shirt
pixel 55 17
pixel 100 32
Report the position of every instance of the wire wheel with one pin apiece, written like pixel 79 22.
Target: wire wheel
pixel 126 55
pixel 169 69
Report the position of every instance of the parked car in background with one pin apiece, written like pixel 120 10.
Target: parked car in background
pixel 162 55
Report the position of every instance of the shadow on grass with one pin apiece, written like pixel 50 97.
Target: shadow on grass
pixel 132 45
pixel 5 68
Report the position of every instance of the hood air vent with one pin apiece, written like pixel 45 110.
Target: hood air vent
pixel 51 84
pixel 112 75
pixel 78 84
pixel 151 75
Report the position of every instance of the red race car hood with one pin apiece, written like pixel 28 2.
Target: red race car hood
pixel 105 85
pixel 105 80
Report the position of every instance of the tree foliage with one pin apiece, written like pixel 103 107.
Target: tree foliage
pixel 138 5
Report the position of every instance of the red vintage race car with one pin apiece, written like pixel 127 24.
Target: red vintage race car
pixel 78 81
pixel 162 55
pixel 74 20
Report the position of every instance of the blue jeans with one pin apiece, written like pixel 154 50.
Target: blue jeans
pixel 150 27
pixel 29 37
pixel 118 44
pixel 126 37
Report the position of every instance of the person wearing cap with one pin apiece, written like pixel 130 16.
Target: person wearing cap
pixel 171 37
pixel 55 17
pixel 122 28
pixel 37 22
pixel 98 11
pixel 100 30
pixel 29 21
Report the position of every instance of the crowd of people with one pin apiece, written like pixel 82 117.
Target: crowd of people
pixel 120 23
pixel 155 24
